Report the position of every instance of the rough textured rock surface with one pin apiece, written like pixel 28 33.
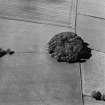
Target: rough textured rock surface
pixel 5 52
pixel 68 47
pixel 96 95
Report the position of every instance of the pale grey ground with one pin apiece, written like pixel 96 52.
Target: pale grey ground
pixel 31 76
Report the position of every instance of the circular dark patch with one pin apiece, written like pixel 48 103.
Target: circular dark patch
pixel 68 47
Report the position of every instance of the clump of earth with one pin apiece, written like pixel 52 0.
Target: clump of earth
pixel 69 47
pixel 98 95
pixel 5 52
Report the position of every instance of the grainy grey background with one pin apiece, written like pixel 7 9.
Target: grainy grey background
pixel 30 76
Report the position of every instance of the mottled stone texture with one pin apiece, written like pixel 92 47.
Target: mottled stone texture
pixel 68 47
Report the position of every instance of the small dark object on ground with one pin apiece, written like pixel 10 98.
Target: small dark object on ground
pixel 5 52
pixel 68 47
pixel 2 52
pixel 9 51
pixel 97 95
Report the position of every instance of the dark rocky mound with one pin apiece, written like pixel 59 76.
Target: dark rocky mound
pixel 5 52
pixel 96 95
pixel 10 52
pixel 68 47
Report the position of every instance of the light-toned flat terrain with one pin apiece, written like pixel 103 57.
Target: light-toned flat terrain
pixel 91 26
pixel 31 76
pixel 47 11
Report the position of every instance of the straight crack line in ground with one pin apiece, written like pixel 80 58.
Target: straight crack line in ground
pixel 92 16
pixel 37 21
pixel 76 16
pixel 87 95
pixel 98 50
pixel 25 52
pixel 81 83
